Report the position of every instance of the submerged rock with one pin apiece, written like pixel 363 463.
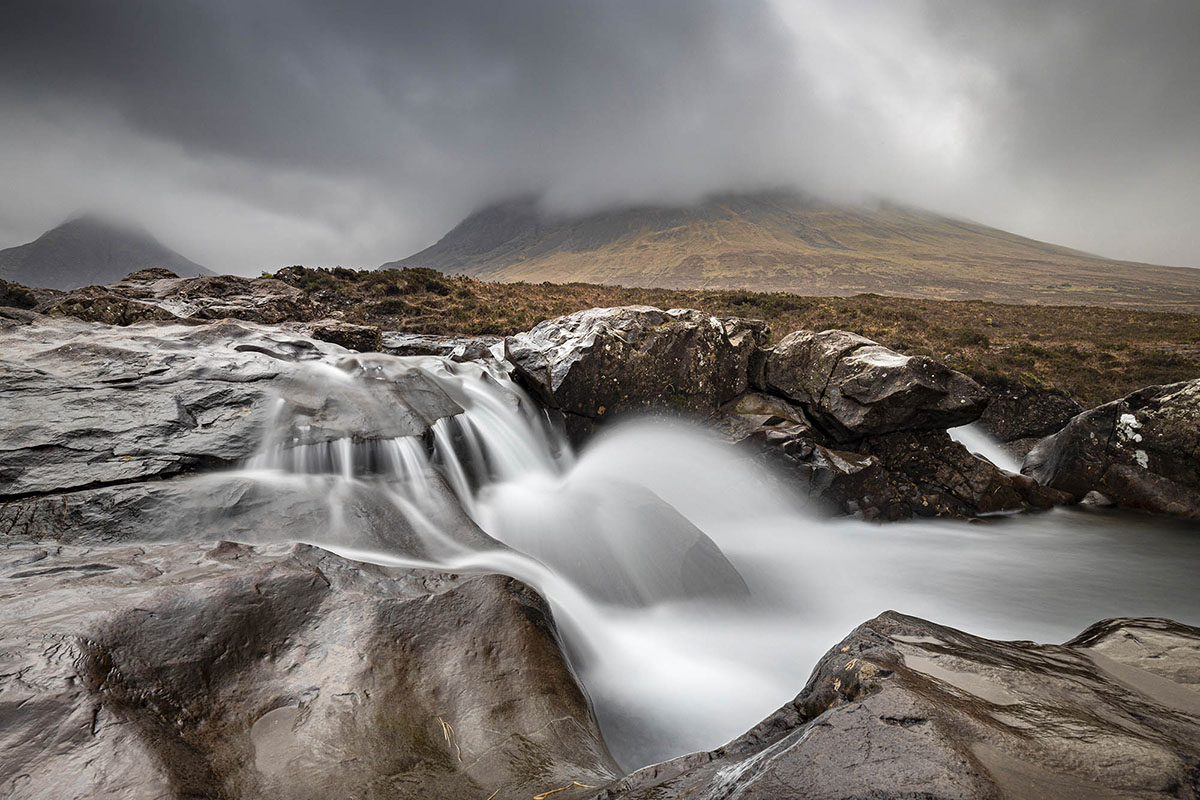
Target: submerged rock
pixel 603 362
pixel 853 387
pixel 1140 452
pixel 229 671
pixel 904 708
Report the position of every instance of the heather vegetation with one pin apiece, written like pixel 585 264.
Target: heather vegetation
pixel 1095 354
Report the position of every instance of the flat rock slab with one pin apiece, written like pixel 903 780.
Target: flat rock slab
pixel 87 404
pixel 221 670
pixel 904 708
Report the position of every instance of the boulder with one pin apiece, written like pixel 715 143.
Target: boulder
pixel 1139 451
pixel 853 387
pixel 456 348
pixel 604 362
pixel 904 708
pixel 189 670
pixel 933 475
pixel 361 338
pixel 1020 415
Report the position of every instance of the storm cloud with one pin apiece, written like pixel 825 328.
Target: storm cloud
pixel 251 135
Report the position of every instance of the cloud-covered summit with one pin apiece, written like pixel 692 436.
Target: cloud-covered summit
pixel 257 134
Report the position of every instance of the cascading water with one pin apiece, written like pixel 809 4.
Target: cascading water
pixel 693 590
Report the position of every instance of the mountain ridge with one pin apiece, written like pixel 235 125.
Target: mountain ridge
pixel 791 242
pixel 88 249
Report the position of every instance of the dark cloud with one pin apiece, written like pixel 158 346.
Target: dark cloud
pixel 254 134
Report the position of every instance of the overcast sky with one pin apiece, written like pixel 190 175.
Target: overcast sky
pixel 253 134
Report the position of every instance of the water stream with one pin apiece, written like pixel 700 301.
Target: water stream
pixel 694 590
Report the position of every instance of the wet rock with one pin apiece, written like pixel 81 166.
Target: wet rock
pixel 1020 415
pixel 84 405
pixel 1139 452
pixel 160 294
pixel 456 348
pixel 362 338
pixel 228 671
pixel 853 387
pixel 904 708
pixel 937 476
pixel 603 362
pixel 102 304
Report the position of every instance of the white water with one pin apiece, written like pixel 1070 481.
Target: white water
pixel 694 591
pixel 980 443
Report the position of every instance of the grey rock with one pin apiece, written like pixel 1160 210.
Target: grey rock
pixel 604 362
pixel 853 387
pixel 456 348
pixel 84 404
pixel 190 670
pixel 1142 451
pixel 159 294
pixel 904 708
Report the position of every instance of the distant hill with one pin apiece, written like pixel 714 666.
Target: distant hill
pixel 784 241
pixel 89 250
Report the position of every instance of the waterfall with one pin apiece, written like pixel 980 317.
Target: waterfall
pixel 977 440
pixel 693 590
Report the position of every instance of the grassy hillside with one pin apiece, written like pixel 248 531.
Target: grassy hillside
pixel 787 242
pixel 1095 354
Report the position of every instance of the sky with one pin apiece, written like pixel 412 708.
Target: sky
pixel 251 135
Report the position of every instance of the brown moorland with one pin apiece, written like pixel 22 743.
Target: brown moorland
pixel 1094 354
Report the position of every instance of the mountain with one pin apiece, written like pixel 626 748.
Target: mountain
pixel 89 250
pixel 785 241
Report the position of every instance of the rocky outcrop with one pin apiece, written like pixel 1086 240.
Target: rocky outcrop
pixel 1020 415
pixel 1142 451
pixel 86 405
pixel 853 387
pixel 160 294
pixel 284 672
pixel 904 708
pixel 604 362
pixel 456 348
pixel 933 476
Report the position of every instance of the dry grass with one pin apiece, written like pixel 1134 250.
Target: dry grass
pixel 1095 354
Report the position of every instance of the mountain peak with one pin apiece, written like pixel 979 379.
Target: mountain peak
pixel 788 241
pixel 90 248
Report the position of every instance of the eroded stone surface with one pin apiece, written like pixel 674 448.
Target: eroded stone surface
pixel 904 708
pixel 86 404
pixel 228 671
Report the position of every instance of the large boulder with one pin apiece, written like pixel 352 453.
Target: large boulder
pixel 853 387
pixel 1142 451
pixel 904 708
pixel 603 362
pixel 284 672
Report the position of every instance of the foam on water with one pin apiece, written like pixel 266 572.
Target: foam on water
pixel 693 589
